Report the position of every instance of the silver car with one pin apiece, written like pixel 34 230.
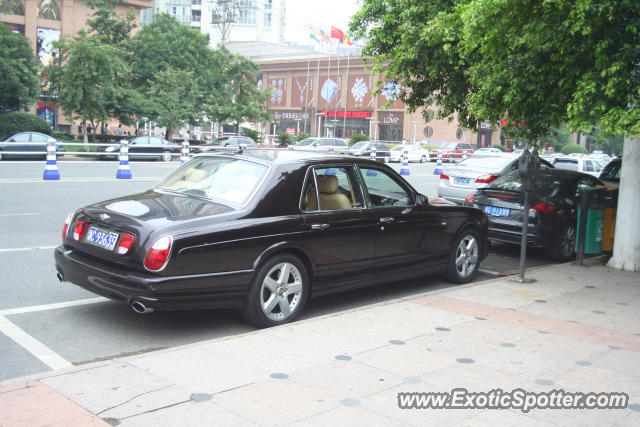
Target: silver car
pixel 457 182
pixel 337 145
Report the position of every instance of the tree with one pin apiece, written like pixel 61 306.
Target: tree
pixel 172 99
pixel 87 77
pixel 18 68
pixel 112 28
pixel 543 63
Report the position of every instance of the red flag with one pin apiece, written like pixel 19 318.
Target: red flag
pixel 337 34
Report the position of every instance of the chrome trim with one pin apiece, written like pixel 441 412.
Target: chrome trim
pixel 168 256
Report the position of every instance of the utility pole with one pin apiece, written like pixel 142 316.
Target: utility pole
pixel 282 20
pixel 224 14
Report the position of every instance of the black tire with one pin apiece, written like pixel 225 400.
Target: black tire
pixel 461 267
pixel 423 159
pixel 166 156
pixel 563 248
pixel 254 311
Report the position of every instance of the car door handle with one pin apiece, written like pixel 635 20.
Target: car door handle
pixel 386 219
pixel 319 226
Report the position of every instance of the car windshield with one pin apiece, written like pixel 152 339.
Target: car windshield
pixel 611 172
pixel 571 165
pixel 451 146
pixel 227 179
pixel 400 148
pixel 306 142
pixel 220 141
pixel 360 144
pixel 485 162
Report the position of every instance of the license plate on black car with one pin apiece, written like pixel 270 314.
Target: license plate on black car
pixel 101 238
pixel 492 210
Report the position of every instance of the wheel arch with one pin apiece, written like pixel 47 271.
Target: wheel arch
pixel 284 248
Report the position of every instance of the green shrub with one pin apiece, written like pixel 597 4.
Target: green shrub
pixel 355 138
pixel 64 136
pixel 11 123
pixel 299 137
pixel 250 133
pixel 499 147
pixel 284 139
pixel 568 149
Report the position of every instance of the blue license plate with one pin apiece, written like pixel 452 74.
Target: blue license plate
pixel 101 238
pixel 463 181
pixel 492 210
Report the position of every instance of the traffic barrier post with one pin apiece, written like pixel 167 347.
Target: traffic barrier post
pixel 51 171
pixel 124 172
pixel 404 170
pixel 438 170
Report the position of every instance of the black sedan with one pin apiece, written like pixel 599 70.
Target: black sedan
pixel 27 145
pixel 364 148
pixel 144 147
pixel 226 142
pixel 262 232
pixel 553 208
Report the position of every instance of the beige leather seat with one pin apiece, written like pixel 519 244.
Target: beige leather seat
pixel 191 177
pixel 330 199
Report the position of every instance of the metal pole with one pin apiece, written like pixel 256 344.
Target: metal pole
pixel 582 229
pixel 524 239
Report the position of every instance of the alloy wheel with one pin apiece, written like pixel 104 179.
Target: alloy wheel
pixel 281 291
pixel 466 256
pixel 568 242
pixel 166 156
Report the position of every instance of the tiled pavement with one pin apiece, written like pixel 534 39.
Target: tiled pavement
pixel 576 329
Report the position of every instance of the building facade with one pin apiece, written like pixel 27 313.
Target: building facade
pixel 225 20
pixel 335 97
pixel 44 21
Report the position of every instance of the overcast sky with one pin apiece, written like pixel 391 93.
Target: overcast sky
pixel 303 13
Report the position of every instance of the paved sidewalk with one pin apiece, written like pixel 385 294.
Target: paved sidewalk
pixel 576 329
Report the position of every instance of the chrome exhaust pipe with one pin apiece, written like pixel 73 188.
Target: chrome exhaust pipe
pixel 140 308
pixel 60 277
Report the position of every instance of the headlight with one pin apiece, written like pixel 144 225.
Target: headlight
pixel 110 149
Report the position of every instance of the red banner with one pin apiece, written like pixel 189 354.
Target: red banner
pixel 354 114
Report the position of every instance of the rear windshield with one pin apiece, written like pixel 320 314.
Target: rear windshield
pixel 545 183
pixel 227 179
pixel 360 144
pixel 305 142
pixel 611 172
pixel 487 162
pixel 570 165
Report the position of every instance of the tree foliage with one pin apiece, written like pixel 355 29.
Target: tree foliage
pixel 541 62
pixel 15 122
pixel 18 68
pixel 107 24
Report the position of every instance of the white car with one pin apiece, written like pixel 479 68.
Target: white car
pixel 486 150
pixel 337 145
pixel 415 153
pixel 580 164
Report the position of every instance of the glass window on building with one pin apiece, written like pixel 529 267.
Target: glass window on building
pixel 196 15
pixel 268 4
pixel 247 16
pixel 267 20
pixel 12 7
pixel 196 2
pixel 49 9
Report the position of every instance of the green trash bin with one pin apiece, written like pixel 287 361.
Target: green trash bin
pixel 594 232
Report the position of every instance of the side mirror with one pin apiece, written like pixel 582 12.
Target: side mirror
pixel 421 200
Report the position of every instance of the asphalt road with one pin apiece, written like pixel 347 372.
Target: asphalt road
pixel 46 325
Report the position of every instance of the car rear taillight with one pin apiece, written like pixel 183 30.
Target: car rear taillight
pixel 469 199
pixel 485 179
pixel 79 229
pixel 158 254
pixel 543 207
pixel 65 229
pixel 125 243
pixel 444 175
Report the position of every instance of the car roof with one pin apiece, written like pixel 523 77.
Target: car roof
pixel 283 157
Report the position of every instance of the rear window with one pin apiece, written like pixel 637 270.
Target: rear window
pixel 570 165
pixel 611 172
pixel 545 183
pixel 485 162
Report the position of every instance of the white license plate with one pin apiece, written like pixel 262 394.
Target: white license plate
pixel 492 210
pixel 101 238
pixel 463 181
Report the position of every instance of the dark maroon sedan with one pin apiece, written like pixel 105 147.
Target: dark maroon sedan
pixel 264 231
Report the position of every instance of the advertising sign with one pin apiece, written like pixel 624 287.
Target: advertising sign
pixel 44 45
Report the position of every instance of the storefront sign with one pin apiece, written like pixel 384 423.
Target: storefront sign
pixel 15 28
pixel 290 115
pixel 353 114
pixel 390 118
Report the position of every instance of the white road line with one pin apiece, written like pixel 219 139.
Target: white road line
pixel 27 249
pixel 63 180
pixel 32 345
pixel 54 306
pixel 19 214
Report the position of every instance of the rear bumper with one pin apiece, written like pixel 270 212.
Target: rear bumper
pixel 215 290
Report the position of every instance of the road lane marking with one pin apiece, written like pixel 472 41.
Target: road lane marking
pixel 32 345
pixel 54 306
pixel 33 248
pixel 35 180
pixel 19 214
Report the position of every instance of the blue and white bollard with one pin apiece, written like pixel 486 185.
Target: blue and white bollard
pixel 404 170
pixel 438 169
pixel 372 172
pixel 184 153
pixel 123 171
pixel 464 156
pixel 51 171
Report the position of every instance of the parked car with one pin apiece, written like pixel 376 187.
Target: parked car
pixel 363 149
pixel 144 147
pixel 579 164
pixel 610 175
pixel 337 145
pixel 553 207
pixel 415 153
pixel 262 232
pixel 454 151
pixel 466 177
pixel 224 142
pixel 603 159
pixel 31 145
pixel 486 150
